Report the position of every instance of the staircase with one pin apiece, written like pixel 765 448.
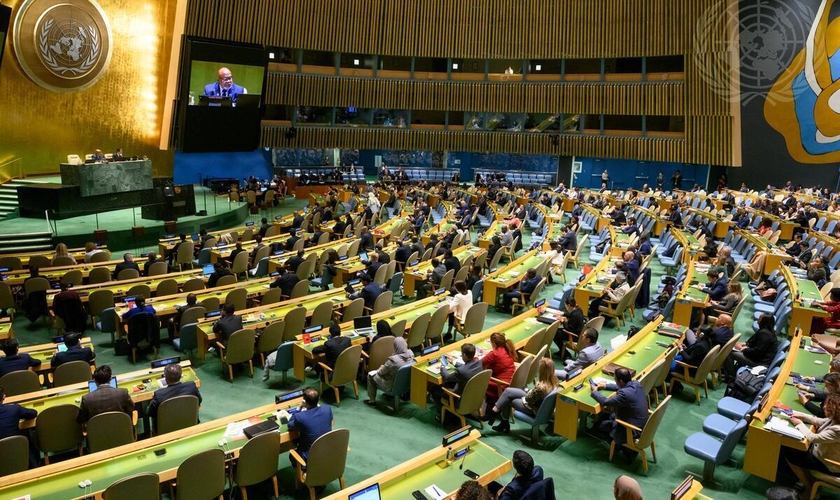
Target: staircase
pixel 8 196
pixel 25 242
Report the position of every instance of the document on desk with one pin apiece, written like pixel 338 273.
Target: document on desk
pixel 435 492
pixel 783 427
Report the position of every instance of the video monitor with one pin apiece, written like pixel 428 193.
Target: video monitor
pixel 220 95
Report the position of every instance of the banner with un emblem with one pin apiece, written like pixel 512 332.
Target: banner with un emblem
pixel 63 47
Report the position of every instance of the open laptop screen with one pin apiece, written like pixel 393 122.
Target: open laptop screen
pixel 369 493
pixel 92 384
pixel 360 322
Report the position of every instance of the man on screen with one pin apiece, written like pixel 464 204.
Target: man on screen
pixel 224 86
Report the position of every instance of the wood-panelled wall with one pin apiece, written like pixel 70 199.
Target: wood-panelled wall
pixel 700 30
pixel 614 99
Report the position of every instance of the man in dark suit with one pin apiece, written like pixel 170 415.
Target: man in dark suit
pixel 74 352
pixel 402 255
pixel 450 262
pixel 151 258
pixel 384 257
pixel 174 388
pixel 295 261
pixel 105 398
pixel 722 331
pixel 417 246
pixel 366 238
pixel 569 240
pixel 13 361
pixel 224 86
pixel 457 379
pixel 527 474
pixel 264 226
pixel 632 267
pixel 311 422
pixel 10 416
pixel 285 281
pixel 236 251
pixel 526 287
pixel 373 264
pixel 628 404
pixel 370 291
pixel 297 221
pixel 228 323
pixel 717 287
pixel 253 257
pixel 175 321
pixel 127 263
pixel 334 346
pixel 219 270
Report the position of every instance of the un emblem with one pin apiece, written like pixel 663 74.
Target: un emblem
pixel 63 47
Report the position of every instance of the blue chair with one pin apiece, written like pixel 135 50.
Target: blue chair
pixel 203 257
pixel 735 409
pixel 401 386
pixel 712 450
pixel 187 340
pixel 395 285
pixel 262 267
pixel 108 322
pixel 285 360
pixel 720 425
pixel 543 416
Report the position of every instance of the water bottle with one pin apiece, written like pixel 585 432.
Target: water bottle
pixel 192 98
pixel 450 456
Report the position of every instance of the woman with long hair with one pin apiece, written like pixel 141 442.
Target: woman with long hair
pixel 526 402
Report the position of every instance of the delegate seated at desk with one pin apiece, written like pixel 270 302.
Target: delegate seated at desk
pixel 311 422
pixel 224 86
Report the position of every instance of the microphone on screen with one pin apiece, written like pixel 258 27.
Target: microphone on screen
pixel 466 452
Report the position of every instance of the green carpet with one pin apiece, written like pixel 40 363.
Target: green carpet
pixel 380 440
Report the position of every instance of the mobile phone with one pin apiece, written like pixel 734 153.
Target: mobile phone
pixel 470 474
pixel 147 381
pixel 444 361
pixel 418 495
pixel 160 452
pixel 591 381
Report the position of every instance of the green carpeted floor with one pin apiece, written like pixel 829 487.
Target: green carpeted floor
pixel 379 439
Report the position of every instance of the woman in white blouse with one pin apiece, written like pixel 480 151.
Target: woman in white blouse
pixel 458 305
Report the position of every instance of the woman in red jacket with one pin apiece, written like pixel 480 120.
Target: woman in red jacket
pixel 500 360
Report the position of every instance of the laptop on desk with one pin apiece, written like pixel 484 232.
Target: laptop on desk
pixel 207 269
pixel 369 493
pixel 362 326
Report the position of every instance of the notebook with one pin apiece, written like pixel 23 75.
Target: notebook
pixel 362 325
pixel 610 369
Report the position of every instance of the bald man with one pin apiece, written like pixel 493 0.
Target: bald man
pixel 224 86
pixel 722 331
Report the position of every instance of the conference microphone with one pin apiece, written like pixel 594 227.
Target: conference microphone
pixel 466 452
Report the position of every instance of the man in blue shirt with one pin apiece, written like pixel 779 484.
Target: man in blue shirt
pixel 628 404
pixel 526 287
pixel 13 361
pixel 311 422
pixel 370 291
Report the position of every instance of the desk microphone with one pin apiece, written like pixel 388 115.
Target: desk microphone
pixel 466 452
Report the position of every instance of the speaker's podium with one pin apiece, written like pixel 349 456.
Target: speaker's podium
pixel 168 202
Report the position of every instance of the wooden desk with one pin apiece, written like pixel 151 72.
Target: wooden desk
pixel 408 312
pixel 45 352
pixel 278 261
pixel 518 329
pixel 55 273
pixel 72 394
pixel 430 468
pixel 6 329
pixel 418 274
pixel 764 446
pixel 486 239
pixel 262 316
pixel 119 288
pixel 690 297
pixel 573 406
pixel 594 284
pixel 803 312
pixel 166 305
pixel 60 481
pixel 508 277
pixel 76 253
pixel 223 252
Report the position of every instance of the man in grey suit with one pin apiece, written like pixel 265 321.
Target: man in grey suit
pixel 105 398
pixel 590 353
pixel 174 388
pixel 456 380
pixel 628 404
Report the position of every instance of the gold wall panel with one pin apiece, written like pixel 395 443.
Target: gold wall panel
pixel 453 28
pixel 501 29
pixel 614 99
pixel 122 110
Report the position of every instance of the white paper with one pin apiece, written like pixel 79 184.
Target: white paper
pixel 783 427
pixel 435 492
